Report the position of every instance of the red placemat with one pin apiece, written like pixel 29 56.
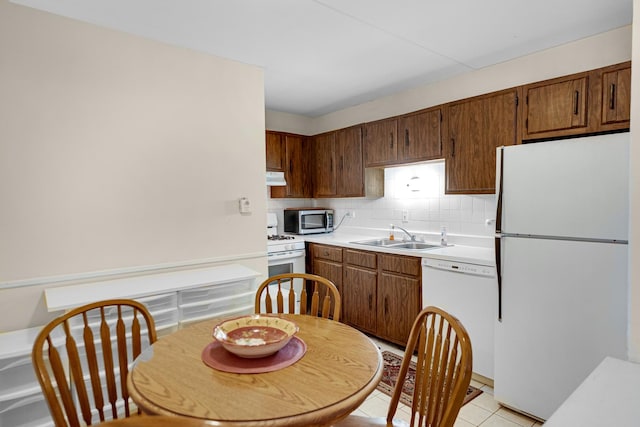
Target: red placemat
pixel 215 356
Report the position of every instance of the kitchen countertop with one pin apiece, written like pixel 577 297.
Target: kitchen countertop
pixel 461 253
pixel 608 397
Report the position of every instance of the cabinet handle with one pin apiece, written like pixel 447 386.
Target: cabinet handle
pixel 406 137
pixel 331 165
pixel 453 147
pixel 291 166
pixel 341 163
pixel 612 96
pixel 391 140
pixel 576 97
pixel 370 301
pixel 386 306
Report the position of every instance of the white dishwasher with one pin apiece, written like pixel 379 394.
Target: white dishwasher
pixel 469 292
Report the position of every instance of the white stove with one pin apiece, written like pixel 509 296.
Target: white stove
pixel 280 244
pixel 285 254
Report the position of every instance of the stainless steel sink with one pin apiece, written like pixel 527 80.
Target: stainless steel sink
pixel 416 245
pixel 395 244
pixel 378 242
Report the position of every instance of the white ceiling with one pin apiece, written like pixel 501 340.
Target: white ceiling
pixel 320 56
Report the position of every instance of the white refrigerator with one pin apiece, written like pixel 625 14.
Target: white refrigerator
pixel 561 258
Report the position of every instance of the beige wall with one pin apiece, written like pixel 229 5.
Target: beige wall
pixel 117 152
pixel 634 188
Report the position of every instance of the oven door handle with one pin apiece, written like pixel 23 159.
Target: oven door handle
pixel 279 256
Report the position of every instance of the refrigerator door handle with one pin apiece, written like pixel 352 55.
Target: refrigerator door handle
pixel 500 189
pixel 498 243
pixel 498 252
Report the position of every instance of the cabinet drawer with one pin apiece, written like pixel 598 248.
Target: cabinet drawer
pixel 400 264
pixel 156 303
pixel 330 253
pixel 17 377
pixel 214 292
pixel 360 258
pixel 27 411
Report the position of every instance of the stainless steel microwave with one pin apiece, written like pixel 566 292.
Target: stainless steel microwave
pixel 308 220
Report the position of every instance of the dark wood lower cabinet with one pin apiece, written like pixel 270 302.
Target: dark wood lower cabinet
pixel 360 298
pixel 381 293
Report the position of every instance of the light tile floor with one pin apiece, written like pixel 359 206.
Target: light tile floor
pixel 482 411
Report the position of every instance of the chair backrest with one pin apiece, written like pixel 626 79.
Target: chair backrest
pixel 317 296
pixel 443 369
pixel 83 375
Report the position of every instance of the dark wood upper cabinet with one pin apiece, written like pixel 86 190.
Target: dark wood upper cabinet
pixel 558 105
pixel 594 101
pixel 324 165
pixel 339 164
pixel 380 142
pixel 296 168
pixel 348 162
pixel 275 151
pixel 420 136
pixel 410 138
pixel 616 96
pixel 477 126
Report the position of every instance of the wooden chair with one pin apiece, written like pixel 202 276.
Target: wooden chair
pixel 443 373
pixel 324 301
pixel 84 375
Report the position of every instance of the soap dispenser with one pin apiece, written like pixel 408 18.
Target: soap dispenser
pixel 391 236
pixel 443 236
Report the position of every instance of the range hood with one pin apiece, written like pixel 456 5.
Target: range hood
pixel 275 179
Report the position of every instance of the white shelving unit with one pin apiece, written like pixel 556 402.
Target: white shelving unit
pixel 174 299
pixel 21 401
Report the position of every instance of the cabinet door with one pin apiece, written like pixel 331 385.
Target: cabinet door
pixel 296 168
pixel 359 298
pixel 331 271
pixel 380 143
pixel 350 177
pixel 296 172
pixel 275 151
pixel 420 136
pixel 476 128
pixel 325 167
pixel 465 137
pixel 556 108
pixel 616 96
pixel 398 306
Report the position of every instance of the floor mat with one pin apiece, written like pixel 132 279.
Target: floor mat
pixel 392 364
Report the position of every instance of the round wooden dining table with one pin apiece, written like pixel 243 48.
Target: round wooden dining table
pixel 340 368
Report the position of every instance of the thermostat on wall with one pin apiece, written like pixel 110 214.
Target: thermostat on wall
pixel 245 205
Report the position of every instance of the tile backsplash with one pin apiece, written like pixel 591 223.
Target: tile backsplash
pixel 415 193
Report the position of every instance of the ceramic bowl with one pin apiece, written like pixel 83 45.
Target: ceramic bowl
pixel 254 336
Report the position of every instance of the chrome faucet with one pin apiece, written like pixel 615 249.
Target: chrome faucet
pixel 411 236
